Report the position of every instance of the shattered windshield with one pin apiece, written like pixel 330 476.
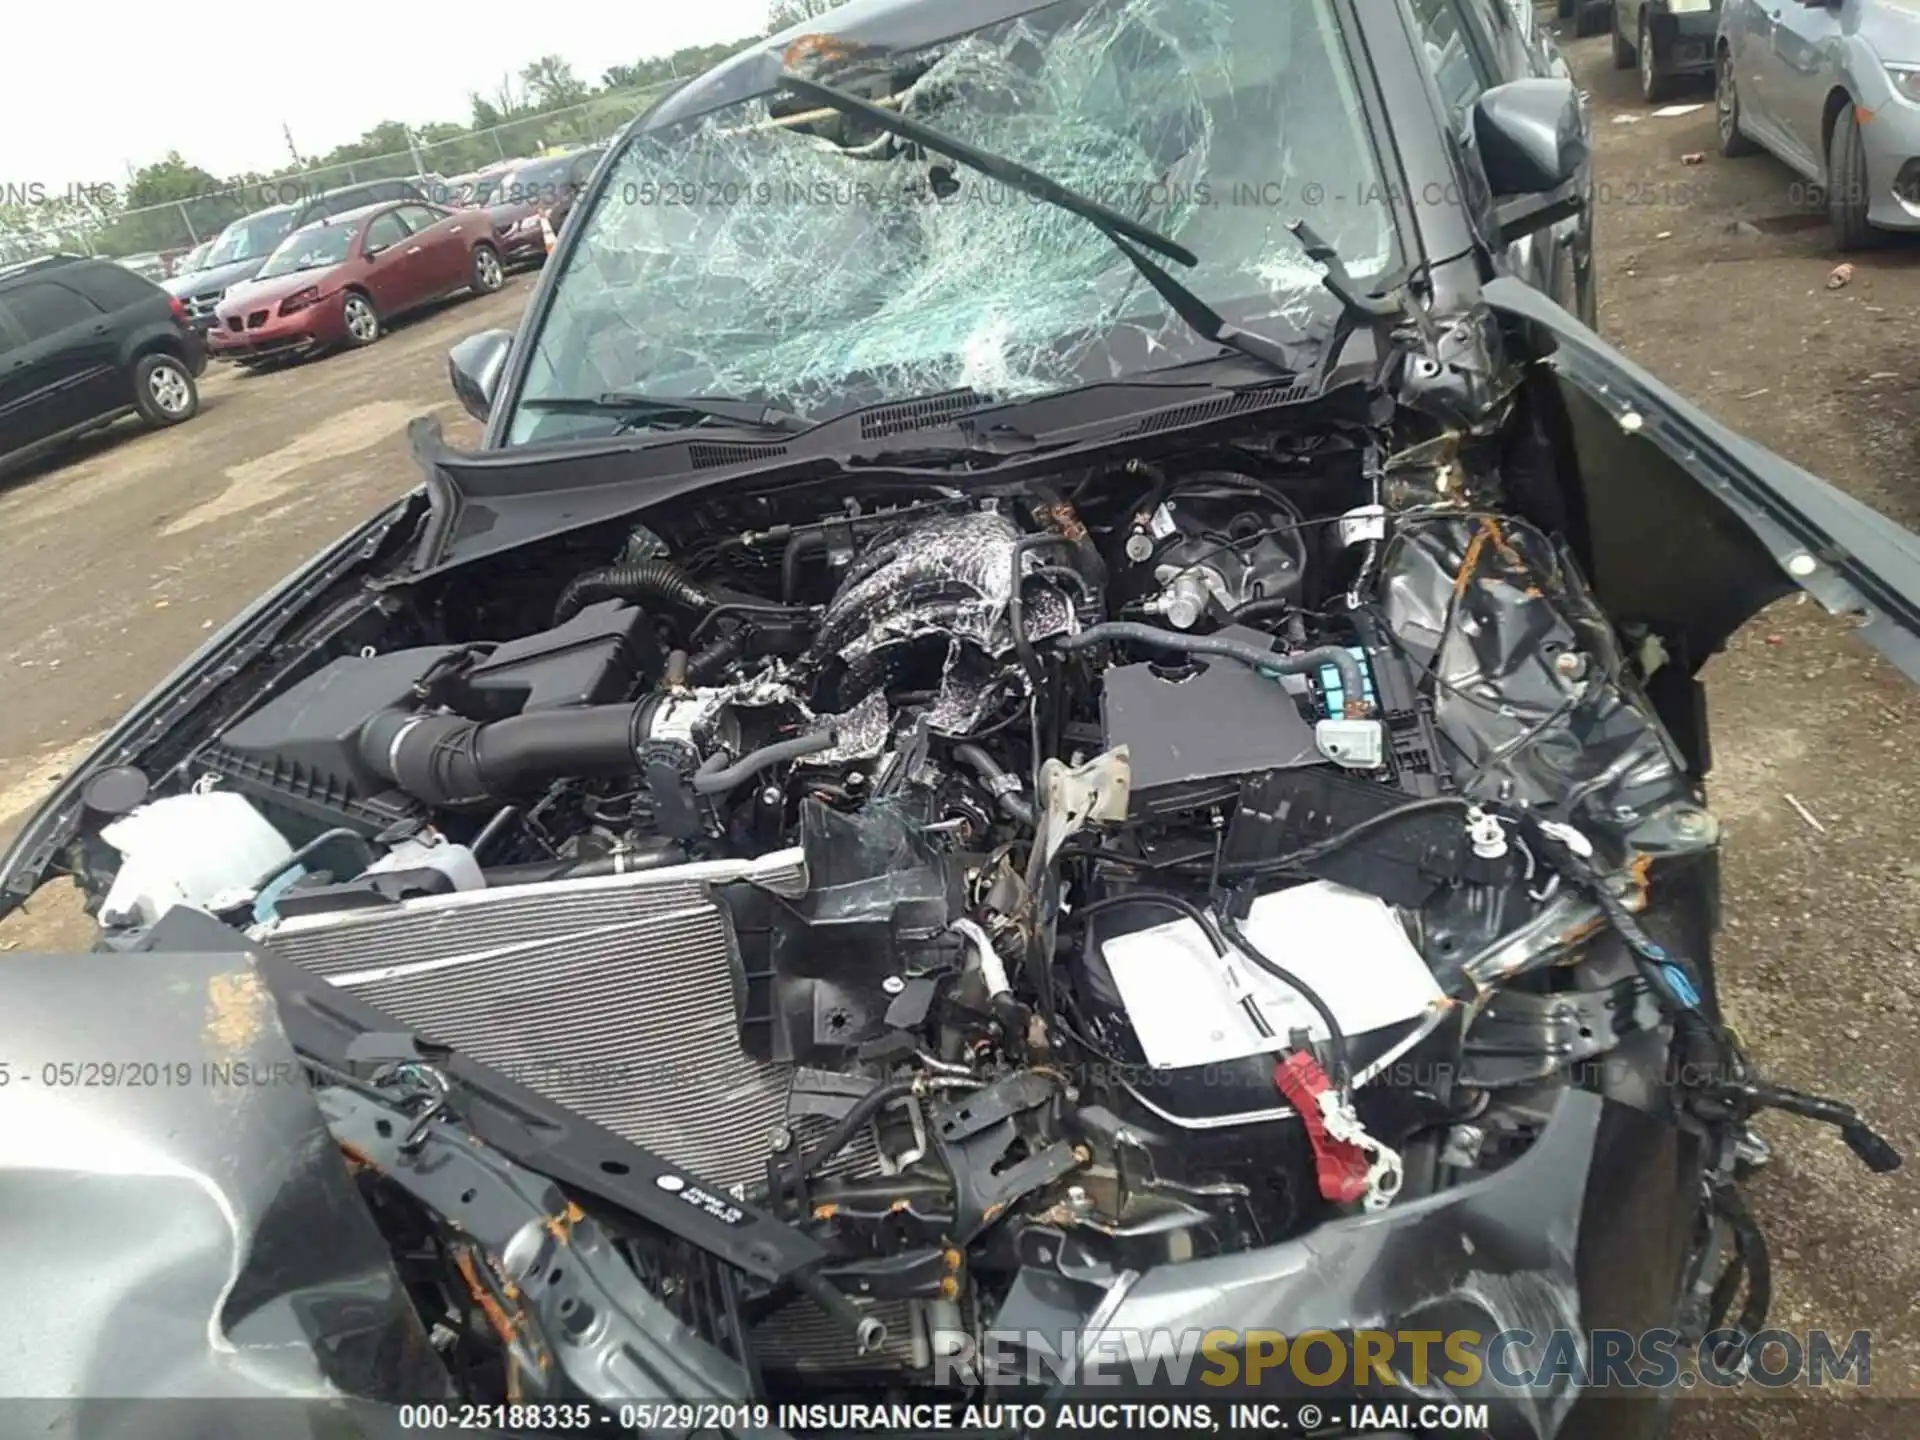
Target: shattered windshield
pixel 765 251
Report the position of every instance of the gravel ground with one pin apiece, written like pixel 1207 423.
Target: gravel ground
pixel 1714 275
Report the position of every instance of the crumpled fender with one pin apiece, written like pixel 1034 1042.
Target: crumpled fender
pixel 180 1223
pixel 1694 528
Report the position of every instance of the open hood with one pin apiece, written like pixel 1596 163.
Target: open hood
pixel 1695 527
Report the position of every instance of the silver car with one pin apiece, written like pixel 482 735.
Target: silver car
pixel 1832 87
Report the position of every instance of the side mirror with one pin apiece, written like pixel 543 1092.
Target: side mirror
pixel 474 367
pixel 1533 148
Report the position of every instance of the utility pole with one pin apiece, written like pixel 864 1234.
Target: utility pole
pixel 287 130
pixel 413 149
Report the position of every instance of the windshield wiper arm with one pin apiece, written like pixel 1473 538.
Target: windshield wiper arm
pixel 634 407
pixel 1199 316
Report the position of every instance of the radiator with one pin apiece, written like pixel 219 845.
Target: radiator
pixel 615 996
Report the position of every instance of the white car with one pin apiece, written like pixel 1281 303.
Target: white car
pixel 150 265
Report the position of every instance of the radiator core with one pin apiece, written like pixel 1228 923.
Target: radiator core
pixel 617 996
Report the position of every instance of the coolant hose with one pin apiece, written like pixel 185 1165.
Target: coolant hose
pixel 715 777
pixel 1001 783
pixel 617 862
pixel 449 760
pixel 644 580
pixel 800 546
pixel 1268 662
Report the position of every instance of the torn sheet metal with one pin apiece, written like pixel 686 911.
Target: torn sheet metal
pixel 1527 674
pixel 178 1215
pixel 950 575
pixel 1492 1257
pixel 935 598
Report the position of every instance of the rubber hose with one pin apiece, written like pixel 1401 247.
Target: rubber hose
pixel 716 657
pixel 1015 805
pixel 863 1111
pixel 1268 662
pixel 713 778
pixel 800 545
pixel 313 847
pixel 619 862
pixel 1261 609
pixel 449 760
pixel 646 580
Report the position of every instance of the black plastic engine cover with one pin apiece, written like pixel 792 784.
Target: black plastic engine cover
pixel 301 749
pixel 593 659
pixel 1192 733
pixel 1401 863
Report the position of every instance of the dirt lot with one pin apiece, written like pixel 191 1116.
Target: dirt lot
pixel 123 552
pixel 1713 276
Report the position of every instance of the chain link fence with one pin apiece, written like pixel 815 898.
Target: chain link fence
pixel 179 225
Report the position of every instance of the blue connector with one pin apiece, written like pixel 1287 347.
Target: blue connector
pixel 1335 692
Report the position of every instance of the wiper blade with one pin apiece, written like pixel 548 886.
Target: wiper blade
pixel 1199 316
pixel 634 408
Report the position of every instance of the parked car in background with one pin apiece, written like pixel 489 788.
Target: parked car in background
pixel 455 191
pixel 516 215
pixel 242 248
pixel 149 266
pixel 1665 41
pixel 545 190
pixel 335 283
pixel 84 342
pixel 1802 80
pixel 1589 17
pixel 193 261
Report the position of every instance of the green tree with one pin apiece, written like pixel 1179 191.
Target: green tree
pixel 782 13
pixel 389 137
pixel 169 179
pixel 551 83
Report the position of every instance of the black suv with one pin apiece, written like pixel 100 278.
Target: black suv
pixel 243 247
pixel 83 342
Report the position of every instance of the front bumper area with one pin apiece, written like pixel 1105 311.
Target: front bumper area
pixel 260 332
pixel 1891 140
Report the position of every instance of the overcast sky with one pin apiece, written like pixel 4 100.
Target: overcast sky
pixel 99 85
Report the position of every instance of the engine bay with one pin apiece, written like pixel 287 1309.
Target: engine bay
pixel 1150 864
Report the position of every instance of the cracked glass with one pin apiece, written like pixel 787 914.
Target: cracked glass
pixel 767 251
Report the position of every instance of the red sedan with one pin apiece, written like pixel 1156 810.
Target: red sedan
pixel 336 283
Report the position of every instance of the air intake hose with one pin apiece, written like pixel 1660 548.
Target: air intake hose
pixel 452 761
pixel 644 580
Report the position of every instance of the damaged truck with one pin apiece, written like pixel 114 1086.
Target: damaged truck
pixel 1065 696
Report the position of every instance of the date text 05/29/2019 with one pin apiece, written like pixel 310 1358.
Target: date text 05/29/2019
pixel 96 1074
pixel 926 1418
